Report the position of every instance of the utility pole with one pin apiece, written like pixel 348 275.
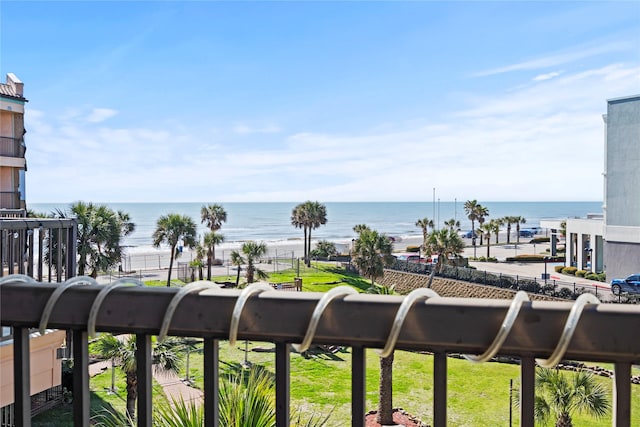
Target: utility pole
pixel 434 204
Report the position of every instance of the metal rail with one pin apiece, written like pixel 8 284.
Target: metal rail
pixel 438 325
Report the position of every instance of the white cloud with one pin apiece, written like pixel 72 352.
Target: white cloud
pixel 98 115
pixel 547 76
pixel 244 129
pixel 557 59
pixel 537 142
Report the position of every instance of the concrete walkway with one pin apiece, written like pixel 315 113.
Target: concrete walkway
pixel 174 388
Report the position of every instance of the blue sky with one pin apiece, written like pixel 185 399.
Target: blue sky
pixel 330 101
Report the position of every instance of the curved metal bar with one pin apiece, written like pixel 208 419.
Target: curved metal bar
pixel 17 278
pixel 321 306
pixel 507 324
pixel 254 288
pixel 401 314
pixel 51 302
pixel 173 304
pixel 569 329
pixel 95 307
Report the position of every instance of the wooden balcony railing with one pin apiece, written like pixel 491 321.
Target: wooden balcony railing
pixel 583 330
pixel 11 147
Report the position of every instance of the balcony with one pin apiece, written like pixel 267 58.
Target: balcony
pixel 11 147
pixel 9 200
pixel 556 330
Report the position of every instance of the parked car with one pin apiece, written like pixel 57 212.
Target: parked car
pixel 630 285
pixel 527 233
pixel 411 258
pixel 467 234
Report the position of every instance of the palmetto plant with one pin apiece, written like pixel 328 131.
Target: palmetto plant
pixel 560 395
pixel 253 251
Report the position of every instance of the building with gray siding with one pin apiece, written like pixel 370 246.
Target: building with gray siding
pixel 622 187
pixel 611 243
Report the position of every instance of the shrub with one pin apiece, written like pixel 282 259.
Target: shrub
pixel 413 248
pixel 569 270
pixel 540 240
pixel 482 259
pixel 492 259
pixel 526 258
pixel 558 268
pixel 581 273
pixel 600 277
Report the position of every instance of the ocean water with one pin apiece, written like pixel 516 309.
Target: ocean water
pixel 271 222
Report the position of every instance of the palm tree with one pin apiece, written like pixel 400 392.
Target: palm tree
pixel 100 231
pixel 170 229
pixel 453 224
pixel 252 252
pixel 198 261
pixel 559 396
pixel 237 260
pixel 446 244
pixel 213 216
pixel 471 209
pixel 497 223
pixel 371 254
pixel 518 220
pixel 165 357
pixel 189 345
pixel 424 224
pixel 318 217
pixel 211 239
pixel 482 213
pixel 509 220
pixel 486 230
pixel 308 216
pixel 108 347
pixel 299 220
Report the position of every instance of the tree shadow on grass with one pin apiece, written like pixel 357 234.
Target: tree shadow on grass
pixel 236 370
pixel 62 416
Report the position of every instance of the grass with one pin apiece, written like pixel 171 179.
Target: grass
pixel 320 277
pixel 478 394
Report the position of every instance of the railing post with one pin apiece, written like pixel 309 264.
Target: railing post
pixel 81 397
pixel 440 389
pixel 358 386
pixel 21 377
pixel 527 391
pixel 282 384
pixel 622 395
pixel 211 382
pixel 143 371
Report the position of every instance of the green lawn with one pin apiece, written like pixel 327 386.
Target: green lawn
pixel 478 394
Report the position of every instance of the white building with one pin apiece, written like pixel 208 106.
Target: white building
pixel 611 242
